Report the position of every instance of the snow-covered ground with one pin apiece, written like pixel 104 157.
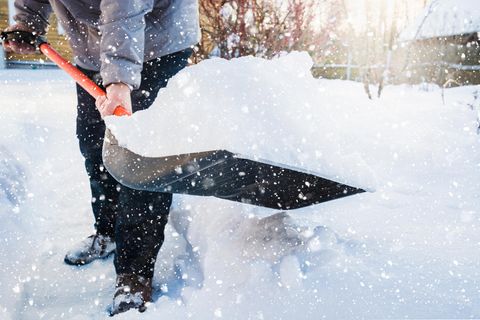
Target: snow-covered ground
pixel 408 249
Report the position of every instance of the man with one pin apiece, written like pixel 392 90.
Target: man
pixel 132 47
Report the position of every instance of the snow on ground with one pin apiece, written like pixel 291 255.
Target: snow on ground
pixel 409 249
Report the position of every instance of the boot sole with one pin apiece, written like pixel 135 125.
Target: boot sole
pixel 83 262
pixel 126 307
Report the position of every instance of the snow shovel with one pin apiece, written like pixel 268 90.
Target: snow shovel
pixel 218 173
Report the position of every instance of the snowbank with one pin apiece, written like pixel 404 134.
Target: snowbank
pixel 443 18
pixel 408 250
pixel 257 108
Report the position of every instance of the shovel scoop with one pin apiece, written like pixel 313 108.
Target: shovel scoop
pixel 221 174
pixel 218 173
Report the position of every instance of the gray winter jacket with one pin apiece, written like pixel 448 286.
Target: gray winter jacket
pixel 117 36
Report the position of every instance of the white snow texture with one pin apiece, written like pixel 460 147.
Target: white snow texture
pixel 444 18
pixel 409 249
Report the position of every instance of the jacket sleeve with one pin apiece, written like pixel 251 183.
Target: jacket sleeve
pixel 33 13
pixel 122 25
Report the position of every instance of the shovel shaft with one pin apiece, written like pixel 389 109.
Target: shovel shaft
pixel 85 82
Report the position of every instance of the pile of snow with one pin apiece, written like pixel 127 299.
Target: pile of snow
pixel 276 110
pixel 257 108
pixel 408 250
pixel 443 18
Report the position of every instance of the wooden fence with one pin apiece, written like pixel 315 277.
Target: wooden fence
pixel 438 72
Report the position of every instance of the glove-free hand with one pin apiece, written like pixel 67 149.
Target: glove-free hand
pixel 18 47
pixel 118 94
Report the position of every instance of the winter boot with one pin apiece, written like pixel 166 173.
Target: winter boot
pixel 132 291
pixel 95 247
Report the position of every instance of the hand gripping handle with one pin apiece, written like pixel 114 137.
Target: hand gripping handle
pixel 23 37
pixel 85 82
pixel 41 44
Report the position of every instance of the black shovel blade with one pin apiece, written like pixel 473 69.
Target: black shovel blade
pixel 221 174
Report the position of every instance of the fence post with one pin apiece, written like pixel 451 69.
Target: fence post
pixel 3 62
pixel 11 11
pixel 349 65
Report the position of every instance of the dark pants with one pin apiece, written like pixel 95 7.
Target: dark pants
pixel 135 219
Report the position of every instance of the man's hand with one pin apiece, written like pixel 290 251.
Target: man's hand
pixel 118 94
pixel 13 46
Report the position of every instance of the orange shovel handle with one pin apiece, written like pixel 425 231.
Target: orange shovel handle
pixel 85 82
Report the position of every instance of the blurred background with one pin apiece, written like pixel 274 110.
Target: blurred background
pixel 376 42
